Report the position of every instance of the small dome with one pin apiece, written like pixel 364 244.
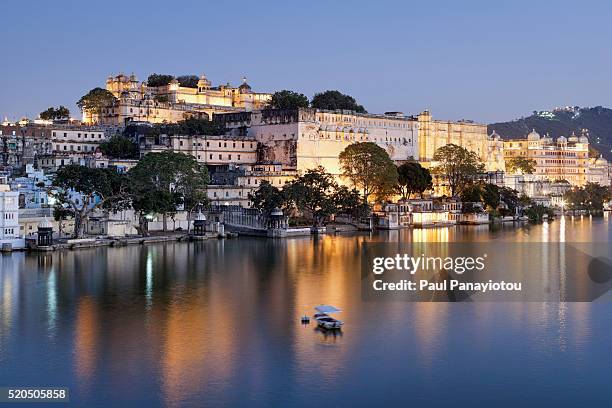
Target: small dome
pixel 601 161
pixel 495 136
pixel 561 139
pixel 533 135
pixel 244 87
pixel 45 224
pixel 203 82
pixel 200 217
pixel 584 139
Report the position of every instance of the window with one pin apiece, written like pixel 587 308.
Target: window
pixel 220 157
pixel 211 157
pixel 238 157
pixel 229 157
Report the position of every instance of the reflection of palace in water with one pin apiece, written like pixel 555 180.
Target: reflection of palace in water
pixel 205 316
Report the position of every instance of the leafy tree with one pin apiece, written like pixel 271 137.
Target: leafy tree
pixel 510 198
pixel 312 194
pixel 61 112
pixel 60 214
pixel 120 147
pixel 471 193
pixel 457 165
pixel 94 100
pixel 348 201
pixel 413 178
pixel 333 100
pixel 159 79
pixel 288 100
pixel 83 190
pixel 160 182
pixel 190 126
pixel 188 81
pixel 536 212
pixel 490 196
pixel 268 197
pixel 591 197
pixel 522 165
pixel 524 200
pixel 369 168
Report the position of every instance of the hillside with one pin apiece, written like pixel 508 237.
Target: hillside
pixel 562 122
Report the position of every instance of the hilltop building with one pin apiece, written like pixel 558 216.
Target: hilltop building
pixel 172 102
pixel 560 159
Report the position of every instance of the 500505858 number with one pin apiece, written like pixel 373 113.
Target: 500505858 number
pixel 8 394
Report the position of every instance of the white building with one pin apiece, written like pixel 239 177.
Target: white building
pixel 72 146
pixel 9 217
pixel 302 139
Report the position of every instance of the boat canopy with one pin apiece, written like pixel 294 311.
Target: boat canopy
pixel 327 309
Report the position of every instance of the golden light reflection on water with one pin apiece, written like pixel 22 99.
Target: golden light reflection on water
pixel 204 305
pixel 86 338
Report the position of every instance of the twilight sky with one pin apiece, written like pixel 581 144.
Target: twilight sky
pixel 479 60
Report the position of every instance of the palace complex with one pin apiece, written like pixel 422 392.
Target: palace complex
pixel 566 158
pixel 172 102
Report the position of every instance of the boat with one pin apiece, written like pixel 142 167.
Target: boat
pixel 323 318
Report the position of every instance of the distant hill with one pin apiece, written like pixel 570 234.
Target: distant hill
pixel 562 122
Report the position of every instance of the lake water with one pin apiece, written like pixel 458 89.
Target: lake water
pixel 216 323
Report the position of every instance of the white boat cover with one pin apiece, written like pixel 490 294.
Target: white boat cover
pixel 327 309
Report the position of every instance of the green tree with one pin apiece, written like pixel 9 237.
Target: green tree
pixel 591 197
pixel 471 193
pixel 490 196
pixel 160 182
pixel 369 168
pixel 188 81
pixel 159 79
pixel 268 197
pixel 288 100
pixel 120 147
pixel 61 112
pixel 190 127
pixel 60 214
pixel 510 197
pixel 412 179
pixel 83 190
pixel 333 100
pixel 348 201
pixel 312 194
pixel 457 165
pixel 96 99
pixel 522 165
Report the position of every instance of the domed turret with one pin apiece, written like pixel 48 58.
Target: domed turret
pixel 45 224
pixel 244 87
pixel 601 161
pixel 584 139
pixel 533 136
pixel 203 83
pixel 561 139
pixel 495 136
pixel 573 138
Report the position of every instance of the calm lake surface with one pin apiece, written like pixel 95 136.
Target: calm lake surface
pixel 216 323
